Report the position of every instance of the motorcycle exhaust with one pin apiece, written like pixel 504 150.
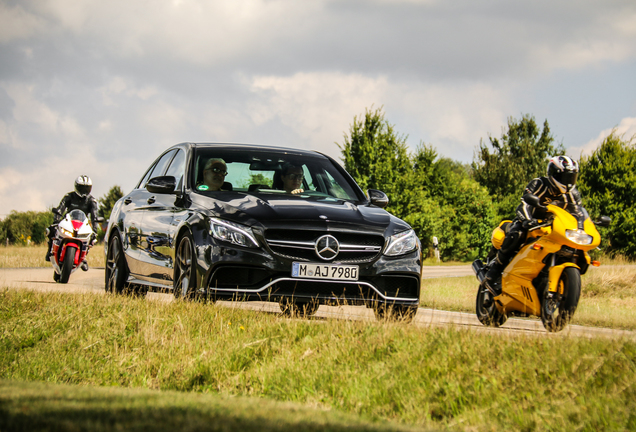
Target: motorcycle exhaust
pixel 478 268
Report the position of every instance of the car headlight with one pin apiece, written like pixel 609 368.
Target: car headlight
pixel 401 243
pixel 578 236
pixel 234 233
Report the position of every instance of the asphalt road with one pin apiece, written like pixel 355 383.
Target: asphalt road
pixel 41 279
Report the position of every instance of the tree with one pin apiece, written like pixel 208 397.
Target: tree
pixel 107 202
pixel 377 157
pixel 607 183
pixel 520 155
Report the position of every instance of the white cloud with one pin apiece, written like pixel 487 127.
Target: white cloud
pixel 16 23
pixel 625 129
pixel 320 108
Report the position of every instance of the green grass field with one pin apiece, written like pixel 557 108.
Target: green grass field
pixel 95 362
pixel 198 360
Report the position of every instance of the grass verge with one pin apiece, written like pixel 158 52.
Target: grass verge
pixel 45 407
pixel 376 372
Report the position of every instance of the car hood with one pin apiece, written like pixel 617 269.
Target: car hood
pixel 280 211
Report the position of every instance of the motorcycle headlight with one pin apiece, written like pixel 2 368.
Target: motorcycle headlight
pixel 234 233
pixel 66 232
pixel 401 243
pixel 578 236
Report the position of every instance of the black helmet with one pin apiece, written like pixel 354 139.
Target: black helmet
pixel 83 185
pixel 563 172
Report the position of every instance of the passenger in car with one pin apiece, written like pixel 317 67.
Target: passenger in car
pixel 214 173
pixel 292 177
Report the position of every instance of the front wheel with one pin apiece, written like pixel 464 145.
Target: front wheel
pixel 116 271
pixel 487 312
pixel 67 265
pixel 557 310
pixel 185 270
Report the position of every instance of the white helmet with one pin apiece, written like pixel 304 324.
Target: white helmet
pixel 83 185
pixel 563 172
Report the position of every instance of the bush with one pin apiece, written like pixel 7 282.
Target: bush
pixel 25 227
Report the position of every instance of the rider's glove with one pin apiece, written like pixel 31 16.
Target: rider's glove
pixel 527 224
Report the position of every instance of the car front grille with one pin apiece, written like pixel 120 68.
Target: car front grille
pixel 299 245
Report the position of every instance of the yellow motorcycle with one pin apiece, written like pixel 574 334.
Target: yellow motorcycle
pixel 544 277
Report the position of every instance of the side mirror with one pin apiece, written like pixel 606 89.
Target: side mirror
pixel 100 219
pixel 603 221
pixel 378 198
pixel 162 185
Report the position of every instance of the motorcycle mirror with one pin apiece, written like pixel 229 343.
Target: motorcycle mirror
pixel 603 221
pixel 378 198
pixel 162 185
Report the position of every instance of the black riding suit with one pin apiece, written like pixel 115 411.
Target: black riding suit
pixel 72 201
pixel 525 213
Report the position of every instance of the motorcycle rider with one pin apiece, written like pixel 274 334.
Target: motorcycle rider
pixel 558 185
pixel 81 199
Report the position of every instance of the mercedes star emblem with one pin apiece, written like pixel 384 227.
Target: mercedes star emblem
pixel 327 247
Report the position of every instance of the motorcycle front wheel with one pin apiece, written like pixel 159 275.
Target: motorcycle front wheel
pixel 67 265
pixel 557 311
pixel 487 312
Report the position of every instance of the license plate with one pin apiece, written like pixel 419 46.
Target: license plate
pixel 324 271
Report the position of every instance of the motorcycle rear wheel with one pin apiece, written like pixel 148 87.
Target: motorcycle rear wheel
pixel 487 312
pixel 67 265
pixel 556 314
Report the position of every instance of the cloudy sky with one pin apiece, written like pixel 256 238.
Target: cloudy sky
pixel 102 87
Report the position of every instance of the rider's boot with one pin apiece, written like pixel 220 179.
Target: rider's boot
pixel 492 281
pixel 47 257
pixel 84 265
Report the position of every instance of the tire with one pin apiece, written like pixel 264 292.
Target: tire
pixel 386 312
pixel 301 309
pixel 556 312
pixel 67 265
pixel 116 272
pixel 487 312
pixel 184 286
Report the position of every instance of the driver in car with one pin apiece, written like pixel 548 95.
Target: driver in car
pixel 214 173
pixel 292 177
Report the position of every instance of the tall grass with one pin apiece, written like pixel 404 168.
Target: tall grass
pixel 437 378
pixel 33 256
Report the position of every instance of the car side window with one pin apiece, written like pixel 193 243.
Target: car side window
pixel 159 168
pixel 177 168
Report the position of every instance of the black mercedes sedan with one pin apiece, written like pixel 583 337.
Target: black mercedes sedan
pixel 257 223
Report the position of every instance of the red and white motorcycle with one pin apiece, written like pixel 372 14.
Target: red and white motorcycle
pixel 72 241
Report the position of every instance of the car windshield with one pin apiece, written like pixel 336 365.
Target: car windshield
pixel 269 172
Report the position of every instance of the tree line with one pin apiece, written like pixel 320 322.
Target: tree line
pixel 460 204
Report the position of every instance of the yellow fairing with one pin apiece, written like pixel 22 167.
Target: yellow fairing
pixel 565 221
pixel 555 275
pixel 498 235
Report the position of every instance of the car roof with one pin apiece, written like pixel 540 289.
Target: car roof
pixel 242 146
